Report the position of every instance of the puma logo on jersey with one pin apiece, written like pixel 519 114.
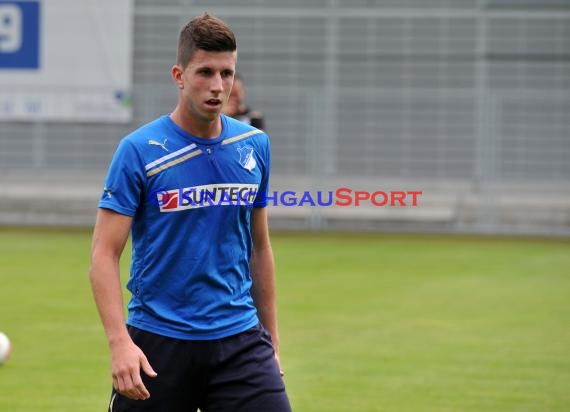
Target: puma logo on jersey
pixel 108 192
pixel 246 158
pixel 153 142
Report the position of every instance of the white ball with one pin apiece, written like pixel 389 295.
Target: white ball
pixel 5 348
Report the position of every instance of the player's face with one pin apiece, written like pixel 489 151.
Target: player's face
pixel 206 83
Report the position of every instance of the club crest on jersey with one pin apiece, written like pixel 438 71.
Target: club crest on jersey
pixel 246 158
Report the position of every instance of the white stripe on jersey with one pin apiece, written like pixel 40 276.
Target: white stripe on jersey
pixel 169 156
pixel 242 136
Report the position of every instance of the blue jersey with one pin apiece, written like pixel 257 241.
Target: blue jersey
pixel 191 201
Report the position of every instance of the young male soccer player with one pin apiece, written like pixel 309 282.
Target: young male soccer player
pixel 201 329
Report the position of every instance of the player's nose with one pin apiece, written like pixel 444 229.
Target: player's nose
pixel 216 84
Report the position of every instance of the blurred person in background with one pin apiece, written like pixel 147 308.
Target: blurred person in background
pixel 202 327
pixel 237 108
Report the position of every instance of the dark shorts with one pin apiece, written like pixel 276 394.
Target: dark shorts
pixel 234 374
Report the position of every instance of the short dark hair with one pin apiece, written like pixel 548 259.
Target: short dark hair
pixel 205 32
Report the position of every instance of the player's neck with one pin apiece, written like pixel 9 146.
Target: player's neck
pixel 199 127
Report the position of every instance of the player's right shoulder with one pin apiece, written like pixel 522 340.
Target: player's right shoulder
pixel 156 143
pixel 153 130
pixel 147 142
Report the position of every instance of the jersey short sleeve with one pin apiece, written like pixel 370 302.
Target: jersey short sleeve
pixel 261 198
pixel 124 182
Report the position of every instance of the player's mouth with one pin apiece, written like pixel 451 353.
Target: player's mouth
pixel 214 104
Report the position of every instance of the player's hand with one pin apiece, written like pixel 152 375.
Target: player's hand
pixel 279 364
pixel 127 360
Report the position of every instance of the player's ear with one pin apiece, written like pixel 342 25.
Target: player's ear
pixel 176 73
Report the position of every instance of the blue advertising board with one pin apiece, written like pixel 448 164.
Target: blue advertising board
pixel 19 34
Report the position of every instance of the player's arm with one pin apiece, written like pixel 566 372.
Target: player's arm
pixel 262 268
pixel 109 237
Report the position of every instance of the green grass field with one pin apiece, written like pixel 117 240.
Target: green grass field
pixel 368 323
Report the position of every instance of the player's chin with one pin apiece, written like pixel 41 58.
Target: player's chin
pixel 212 113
